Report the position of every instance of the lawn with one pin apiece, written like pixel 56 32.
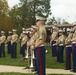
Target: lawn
pixel 13 61
pixel 50 61
pixel 27 74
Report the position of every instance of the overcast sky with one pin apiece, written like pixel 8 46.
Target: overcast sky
pixel 65 9
pixel 12 2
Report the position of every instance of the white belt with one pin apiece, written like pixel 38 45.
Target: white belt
pixel 60 44
pixel 54 44
pixel 73 42
pixel 69 46
pixel 41 45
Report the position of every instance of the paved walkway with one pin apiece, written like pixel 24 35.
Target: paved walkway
pixel 4 68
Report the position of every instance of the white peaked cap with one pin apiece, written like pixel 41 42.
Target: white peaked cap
pixel 14 30
pixel 68 29
pixel 27 32
pixel 33 26
pixel 72 30
pixel 39 18
pixel 2 32
pixel 61 30
pixel 9 32
pixel 31 29
pixel 23 28
pixel 24 32
pixel 54 27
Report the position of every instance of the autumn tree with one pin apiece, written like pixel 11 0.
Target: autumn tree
pixel 3 7
pixel 23 15
pixel 5 22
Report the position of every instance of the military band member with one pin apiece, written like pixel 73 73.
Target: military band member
pixel 60 43
pixel 33 40
pixel 24 44
pixel 73 40
pixel 14 44
pixel 68 49
pixel 21 35
pixel 53 41
pixel 35 64
pixel 20 38
pixel 8 41
pixel 2 44
pixel 39 46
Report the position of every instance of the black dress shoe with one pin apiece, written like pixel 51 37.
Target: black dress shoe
pixel 74 71
pixel 71 70
pixel 33 70
pixel 27 67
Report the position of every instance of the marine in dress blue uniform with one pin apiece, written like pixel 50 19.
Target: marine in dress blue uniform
pixel 24 44
pixel 39 46
pixel 14 44
pixel 53 41
pixel 74 50
pixel 33 40
pixel 68 49
pixel 60 43
pixel 20 38
pixel 2 44
pixel 8 42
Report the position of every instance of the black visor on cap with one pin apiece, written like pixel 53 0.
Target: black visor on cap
pixel 37 20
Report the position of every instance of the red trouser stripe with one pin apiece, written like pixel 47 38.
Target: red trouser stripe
pixel 40 61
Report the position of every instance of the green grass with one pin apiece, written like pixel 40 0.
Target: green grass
pixel 12 73
pixel 50 61
pixel 13 61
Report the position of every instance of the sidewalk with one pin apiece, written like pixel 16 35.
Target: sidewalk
pixel 4 68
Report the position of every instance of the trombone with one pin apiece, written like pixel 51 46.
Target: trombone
pixel 32 58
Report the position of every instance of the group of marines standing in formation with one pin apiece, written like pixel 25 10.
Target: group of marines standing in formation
pixel 36 41
pixel 12 44
pixel 59 42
